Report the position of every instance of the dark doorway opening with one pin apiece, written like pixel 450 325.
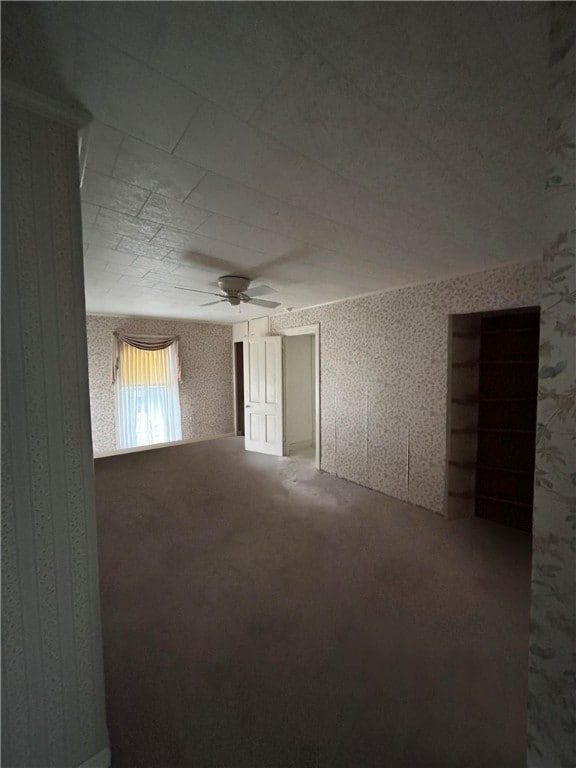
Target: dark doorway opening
pixel 507 399
pixel 239 385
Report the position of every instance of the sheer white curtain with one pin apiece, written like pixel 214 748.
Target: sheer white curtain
pixel 147 396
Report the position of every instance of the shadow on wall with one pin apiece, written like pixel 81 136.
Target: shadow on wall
pixel 30 58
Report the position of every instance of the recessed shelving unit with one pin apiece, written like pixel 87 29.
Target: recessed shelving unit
pixel 494 382
pixel 507 392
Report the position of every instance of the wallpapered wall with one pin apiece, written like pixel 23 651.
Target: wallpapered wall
pixel 552 663
pixel 206 391
pixel 383 367
pixel 53 711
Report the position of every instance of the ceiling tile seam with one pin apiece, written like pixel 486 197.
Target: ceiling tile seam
pixel 126 134
pixel 113 178
pixel 354 85
pixel 80 30
pixel 517 65
pixel 444 231
pixel 297 243
pixel 188 122
pixel 296 207
pixel 368 191
pixel 168 155
pixel 128 215
pixel 161 75
pixel 205 173
pixel 278 82
pixel 277 141
pixel 313 48
pixel 376 198
pixel 189 205
pixel 390 203
pixel 117 155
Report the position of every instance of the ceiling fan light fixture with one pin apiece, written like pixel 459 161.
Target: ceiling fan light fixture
pixel 233 290
pixel 233 283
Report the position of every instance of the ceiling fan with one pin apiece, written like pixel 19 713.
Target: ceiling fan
pixel 235 291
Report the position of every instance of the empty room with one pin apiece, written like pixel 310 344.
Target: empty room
pixel 289 385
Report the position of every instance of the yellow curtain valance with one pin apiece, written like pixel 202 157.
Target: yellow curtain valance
pixel 138 344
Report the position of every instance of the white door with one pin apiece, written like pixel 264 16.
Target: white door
pixel 263 427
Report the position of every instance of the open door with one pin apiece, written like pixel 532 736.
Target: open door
pixel 263 427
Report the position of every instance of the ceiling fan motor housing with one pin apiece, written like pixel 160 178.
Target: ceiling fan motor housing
pixel 232 284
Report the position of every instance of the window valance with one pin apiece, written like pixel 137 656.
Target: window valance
pixel 147 343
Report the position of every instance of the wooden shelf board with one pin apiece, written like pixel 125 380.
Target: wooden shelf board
pixel 504 429
pixel 504 501
pixel 505 469
pixel 526 329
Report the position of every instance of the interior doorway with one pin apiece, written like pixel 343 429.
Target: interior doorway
pixel 493 401
pixel 301 393
pixel 239 385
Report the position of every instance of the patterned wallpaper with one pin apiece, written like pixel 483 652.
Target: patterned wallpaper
pixel 53 711
pixel 206 391
pixel 384 367
pixel 552 662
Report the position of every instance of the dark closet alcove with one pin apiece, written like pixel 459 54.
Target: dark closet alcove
pixel 239 384
pixel 507 398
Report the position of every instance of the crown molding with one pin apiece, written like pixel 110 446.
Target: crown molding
pixel 40 104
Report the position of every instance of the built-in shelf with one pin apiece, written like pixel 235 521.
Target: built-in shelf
pixel 494 371
pixel 508 362
pixel 476 363
pixel 473 400
pixel 466 364
pixel 504 501
pixel 466 495
pixel 491 332
pixel 498 430
pixel 504 429
pixel 514 470
pixel 506 400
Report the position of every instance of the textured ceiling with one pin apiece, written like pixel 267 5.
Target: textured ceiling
pixel 324 149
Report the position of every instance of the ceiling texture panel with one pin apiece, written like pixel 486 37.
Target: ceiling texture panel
pixel 325 150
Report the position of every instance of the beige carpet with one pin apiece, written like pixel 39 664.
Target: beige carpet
pixel 258 614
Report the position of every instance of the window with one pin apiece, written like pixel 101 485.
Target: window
pixel 147 393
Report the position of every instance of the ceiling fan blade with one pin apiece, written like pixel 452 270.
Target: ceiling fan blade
pixel 195 290
pixel 258 290
pixel 264 303
pixel 213 302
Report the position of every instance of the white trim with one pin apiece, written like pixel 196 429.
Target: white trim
pixel 311 330
pixel 40 104
pixel 102 759
pixel 120 451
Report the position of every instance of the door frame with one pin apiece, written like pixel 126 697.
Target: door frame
pixel 308 330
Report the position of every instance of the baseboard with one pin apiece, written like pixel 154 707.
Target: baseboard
pixel 292 447
pixel 120 451
pixel 100 760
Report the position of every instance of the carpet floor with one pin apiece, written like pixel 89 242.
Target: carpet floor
pixel 259 614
